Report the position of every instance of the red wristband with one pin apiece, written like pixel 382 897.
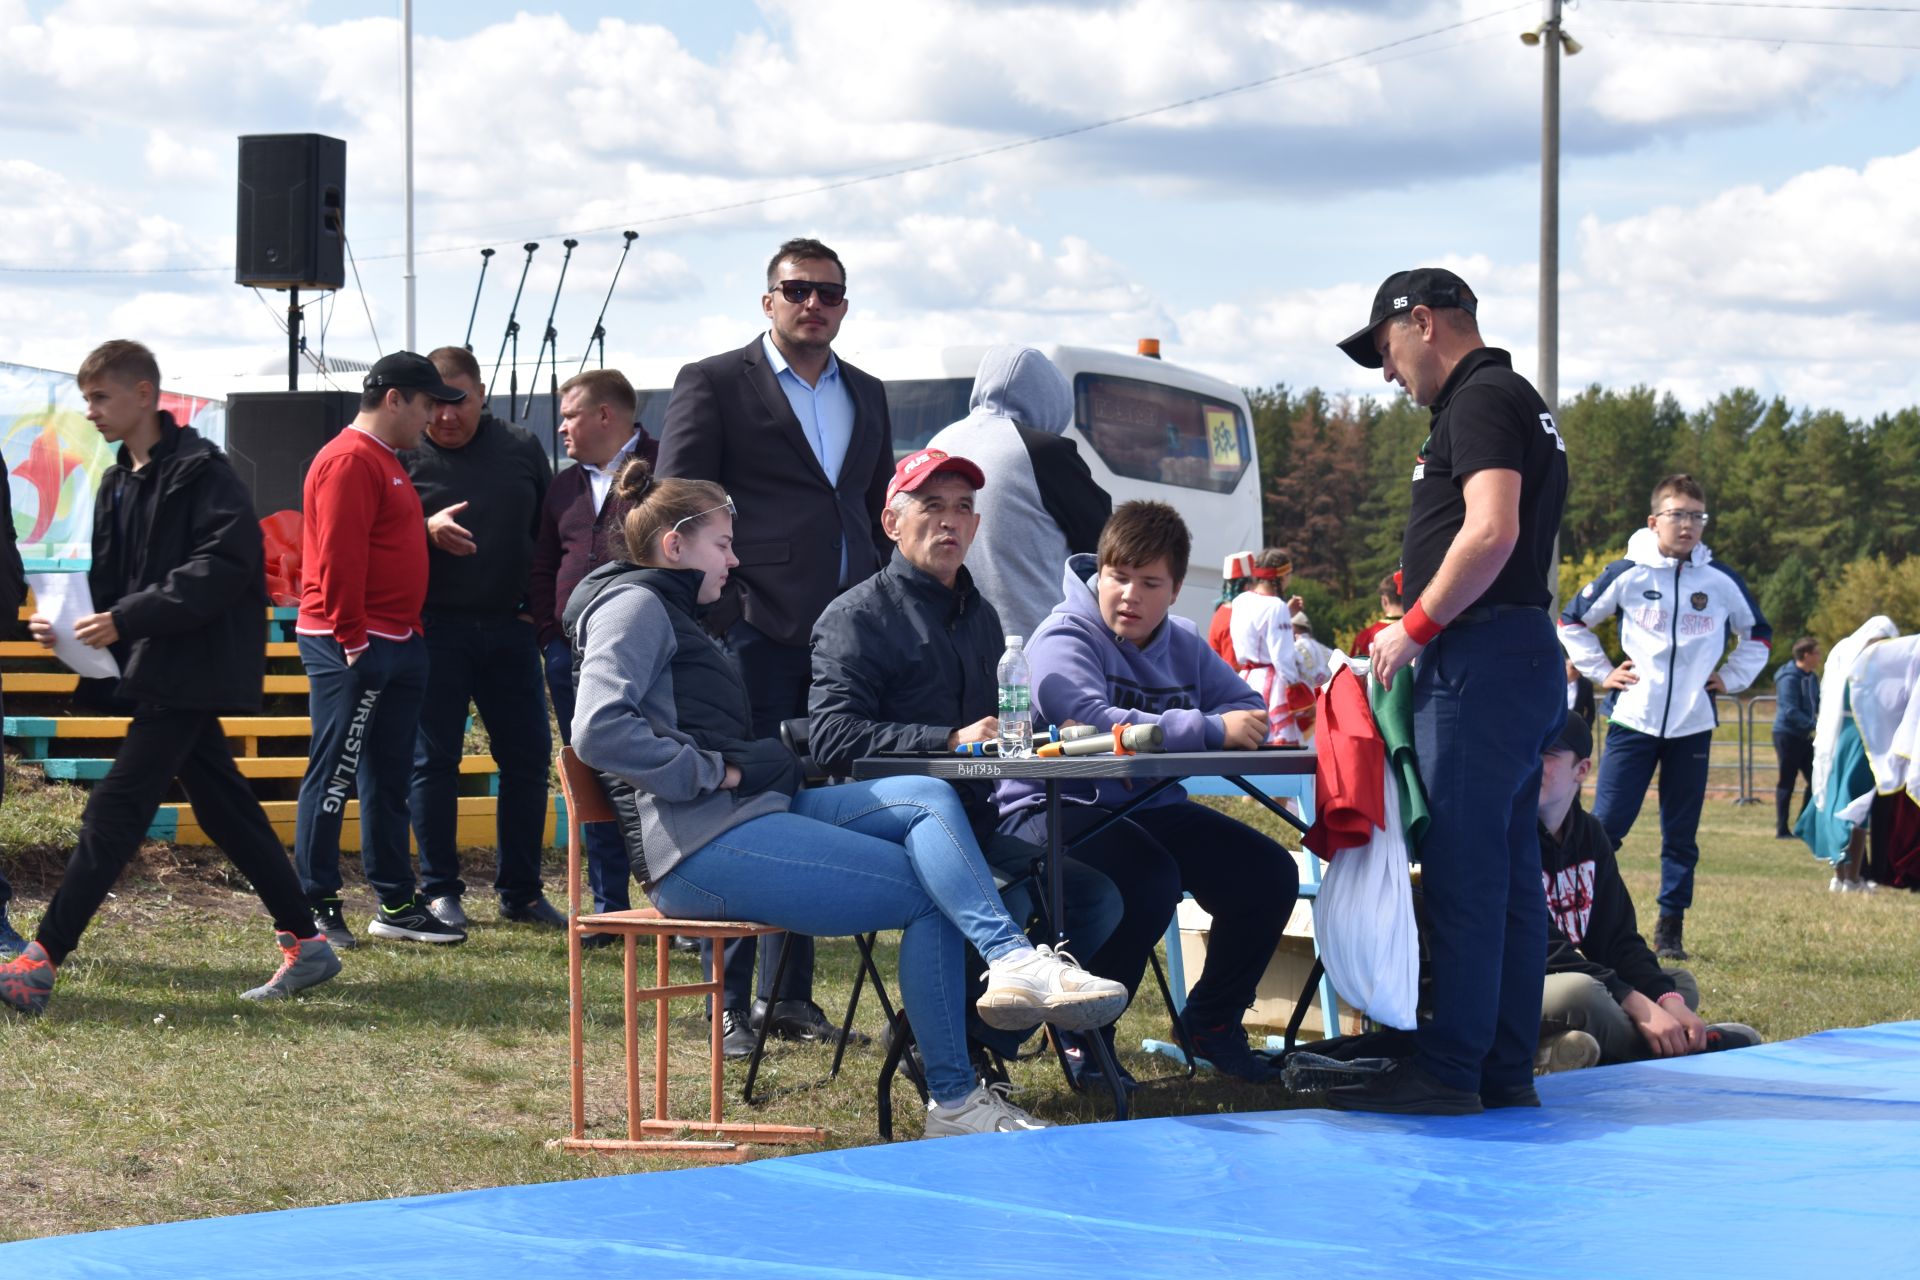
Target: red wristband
pixel 1419 627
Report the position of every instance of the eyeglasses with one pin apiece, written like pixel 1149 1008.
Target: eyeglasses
pixel 798 291
pixel 726 506
pixel 1677 516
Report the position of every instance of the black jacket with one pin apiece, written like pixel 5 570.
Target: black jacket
pixel 177 561
pixel 899 662
pixel 710 701
pixel 1591 927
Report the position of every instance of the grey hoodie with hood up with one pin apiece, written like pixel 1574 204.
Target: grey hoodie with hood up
pixel 1041 502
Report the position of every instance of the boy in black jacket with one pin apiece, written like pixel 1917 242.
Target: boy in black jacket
pixel 1607 999
pixel 180 596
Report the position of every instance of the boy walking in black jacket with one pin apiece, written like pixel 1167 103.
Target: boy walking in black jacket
pixel 179 591
pixel 1607 999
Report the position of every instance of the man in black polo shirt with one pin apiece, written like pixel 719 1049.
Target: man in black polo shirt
pixel 1489 693
pixel 482 481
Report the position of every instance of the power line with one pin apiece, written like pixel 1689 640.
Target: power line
pixel 1764 4
pixel 936 161
pixel 364 304
pixel 1727 35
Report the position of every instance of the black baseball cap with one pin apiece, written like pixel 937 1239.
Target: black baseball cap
pixel 1403 291
pixel 412 372
pixel 1575 736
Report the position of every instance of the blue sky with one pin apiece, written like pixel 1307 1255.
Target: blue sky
pixel 1734 211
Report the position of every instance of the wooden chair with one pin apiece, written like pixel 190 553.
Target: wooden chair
pixel 586 801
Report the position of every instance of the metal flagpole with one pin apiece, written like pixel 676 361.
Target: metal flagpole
pixel 406 93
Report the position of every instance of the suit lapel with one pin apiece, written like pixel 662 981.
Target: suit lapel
pixel 780 415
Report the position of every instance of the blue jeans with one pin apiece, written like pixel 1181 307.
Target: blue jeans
pixel 1488 699
pixel 364 719
pixel 609 872
pixel 1625 771
pixel 492 662
pixel 895 853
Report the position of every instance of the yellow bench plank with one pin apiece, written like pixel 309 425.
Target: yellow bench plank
pixel 235 726
pixel 474 828
pixel 33 649
pixel 67 682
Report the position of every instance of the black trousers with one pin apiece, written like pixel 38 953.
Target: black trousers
pixel 1796 762
pixel 162 744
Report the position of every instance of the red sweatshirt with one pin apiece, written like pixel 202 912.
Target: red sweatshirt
pixel 363 545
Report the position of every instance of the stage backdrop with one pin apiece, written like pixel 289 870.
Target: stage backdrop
pixel 55 460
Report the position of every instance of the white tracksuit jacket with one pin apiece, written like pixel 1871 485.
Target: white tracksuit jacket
pixel 1676 618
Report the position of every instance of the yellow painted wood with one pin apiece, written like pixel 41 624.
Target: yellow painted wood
pixel 474 829
pixel 235 726
pixel 67 682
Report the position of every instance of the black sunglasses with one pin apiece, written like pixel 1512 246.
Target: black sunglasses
pixel 798 291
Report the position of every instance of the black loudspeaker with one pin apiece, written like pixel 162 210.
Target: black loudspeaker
pixel 293 191
pixel 273 435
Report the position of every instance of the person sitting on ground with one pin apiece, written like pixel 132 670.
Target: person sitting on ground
pixel 1392 609
pixel 729 831
pixel 905 661
pixel 178 584
pixel 1112 652
pixel 1264 640
pixel 1607 999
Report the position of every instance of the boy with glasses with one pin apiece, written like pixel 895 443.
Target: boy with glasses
pixel 1678 608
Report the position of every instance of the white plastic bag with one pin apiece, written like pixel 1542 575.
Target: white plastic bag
pixel 1368 940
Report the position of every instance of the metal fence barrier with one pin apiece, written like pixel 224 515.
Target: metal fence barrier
pixel 1732 762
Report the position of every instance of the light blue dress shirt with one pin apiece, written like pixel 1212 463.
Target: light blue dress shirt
pixel 826 417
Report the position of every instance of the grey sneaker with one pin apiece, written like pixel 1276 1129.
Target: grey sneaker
pixel 410 921
pixel 332 923
pixel 985 1110
pixel 447 910
pixel 1731 1035
pixel 306 962
pixel 1044 985
pixel 26 981
pixel 1566 1051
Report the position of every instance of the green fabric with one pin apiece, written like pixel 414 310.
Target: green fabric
pixel 1393 713
pixel 1851 774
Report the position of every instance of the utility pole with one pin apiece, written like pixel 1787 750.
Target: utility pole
pixel 1550 36
pixel 406 111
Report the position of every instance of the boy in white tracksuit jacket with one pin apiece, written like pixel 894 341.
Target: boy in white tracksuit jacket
pixel 1678 608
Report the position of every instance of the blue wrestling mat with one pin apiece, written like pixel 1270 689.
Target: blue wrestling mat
pixel 1789 1160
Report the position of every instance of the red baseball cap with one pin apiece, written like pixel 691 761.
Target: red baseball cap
pixel 917 468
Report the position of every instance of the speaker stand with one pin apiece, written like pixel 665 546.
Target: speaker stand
pixel 293 339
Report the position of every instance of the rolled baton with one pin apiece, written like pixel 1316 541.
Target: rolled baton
pixel 1125 740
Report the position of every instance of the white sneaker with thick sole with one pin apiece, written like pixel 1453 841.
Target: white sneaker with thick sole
pixel 985 1110
pixel 1044 985
pixel 1566 1051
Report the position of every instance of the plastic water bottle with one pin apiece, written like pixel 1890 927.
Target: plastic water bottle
pixel 1016 700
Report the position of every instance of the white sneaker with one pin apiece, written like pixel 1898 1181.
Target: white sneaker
pixel 985 1110
pixel 1566 1051
pixel 1044 985
pixel 1836 885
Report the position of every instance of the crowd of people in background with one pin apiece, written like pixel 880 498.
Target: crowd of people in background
pixel 767 580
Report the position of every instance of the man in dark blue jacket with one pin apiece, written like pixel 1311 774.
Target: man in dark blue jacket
pixel 905 661
pixel 179 589
pixel 1796 688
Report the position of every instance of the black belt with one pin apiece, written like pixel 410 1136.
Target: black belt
pixel 1480 613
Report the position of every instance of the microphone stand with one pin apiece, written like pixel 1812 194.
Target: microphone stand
pixel 599 334
pixel 551 336
pixel 512 334
pixel 485 256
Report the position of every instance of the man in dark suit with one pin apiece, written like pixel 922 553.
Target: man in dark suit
pixel 804 447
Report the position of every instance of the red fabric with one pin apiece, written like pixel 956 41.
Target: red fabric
pixel 1363 643
pixel 1350 778
pixel 1220 634
pixel 281 534
pixel 363 545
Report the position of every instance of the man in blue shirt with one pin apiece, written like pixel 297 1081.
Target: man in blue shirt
pixel 1796 687
pixel 803 445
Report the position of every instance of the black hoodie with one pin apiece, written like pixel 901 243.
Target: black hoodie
pixel 1591 927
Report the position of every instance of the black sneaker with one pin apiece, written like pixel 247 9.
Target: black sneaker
pixel 1316 1073
pixel 1405 1089
pixel 1084 1064
pixel 1731 1035
pixel 11 943
pixel 539 911
pixel 1667 931
pixel 412 922
pixel 332 923
pixel 1225 1046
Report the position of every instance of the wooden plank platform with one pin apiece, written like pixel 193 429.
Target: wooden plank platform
pixel 32 649
pixel 92 769
pixel 116 726
pixel 475 829
pixel 66 682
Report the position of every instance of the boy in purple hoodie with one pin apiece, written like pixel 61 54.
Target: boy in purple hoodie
pixel 1111 651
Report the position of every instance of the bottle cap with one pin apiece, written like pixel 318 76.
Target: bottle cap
pixel 1015 641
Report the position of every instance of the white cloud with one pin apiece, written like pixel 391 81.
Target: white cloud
pixel 170 159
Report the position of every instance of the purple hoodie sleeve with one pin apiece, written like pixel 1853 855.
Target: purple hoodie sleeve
pixel 1070 683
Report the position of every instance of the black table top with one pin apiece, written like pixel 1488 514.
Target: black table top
pixel 1162 764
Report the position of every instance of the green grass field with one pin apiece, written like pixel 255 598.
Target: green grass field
pixel 148 1092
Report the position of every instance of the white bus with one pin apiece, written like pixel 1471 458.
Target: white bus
pixel 1148 429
